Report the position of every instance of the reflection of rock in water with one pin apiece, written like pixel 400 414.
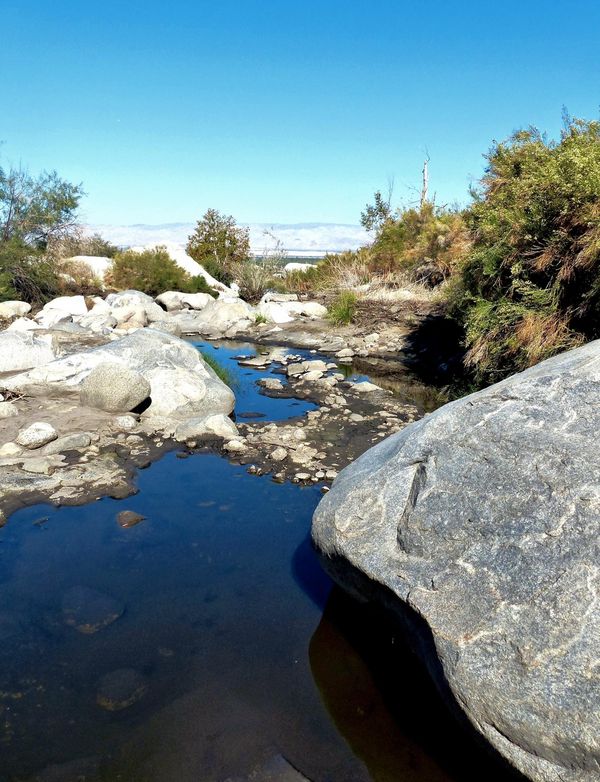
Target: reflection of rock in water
pixel 361 669
pixel 357 705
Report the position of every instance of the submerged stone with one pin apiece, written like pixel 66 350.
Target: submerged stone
pixel 88 611
pixel 129 518
pixel 120 689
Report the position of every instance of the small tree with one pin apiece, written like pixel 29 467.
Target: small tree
pixel 219 245
pixel 377 214
pixel 37 211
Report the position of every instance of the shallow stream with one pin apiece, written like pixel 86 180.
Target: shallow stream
pixel 244 649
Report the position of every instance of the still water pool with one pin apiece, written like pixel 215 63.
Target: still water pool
pixel 245 650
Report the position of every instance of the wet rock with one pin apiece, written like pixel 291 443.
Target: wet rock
pixel 36 435
pixel 305 366
pixel 479 527
pixel 271 383
pixel 215 425
pixel 120 689
pixel 234 446
pixel 129 518
pixel 89 611
pixel 114 388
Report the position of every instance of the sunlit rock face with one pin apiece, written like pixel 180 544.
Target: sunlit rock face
pixel 479 526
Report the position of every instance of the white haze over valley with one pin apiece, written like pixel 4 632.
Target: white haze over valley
pixel 305 240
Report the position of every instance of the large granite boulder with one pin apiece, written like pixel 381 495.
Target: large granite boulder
pixel 181 384
pixel 480 527
pixel 23 350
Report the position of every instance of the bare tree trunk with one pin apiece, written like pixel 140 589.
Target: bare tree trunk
pixel 425 186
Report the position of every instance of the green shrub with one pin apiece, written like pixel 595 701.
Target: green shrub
pixel 26 274
pixel 152 272
pixel 530 286
pixel 341 311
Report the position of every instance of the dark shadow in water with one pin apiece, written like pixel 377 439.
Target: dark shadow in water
pixel 384 703
pixel 309 575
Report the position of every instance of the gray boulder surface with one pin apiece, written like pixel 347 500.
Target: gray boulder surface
pixel 23 350
pixel 114 388
pixel 479 527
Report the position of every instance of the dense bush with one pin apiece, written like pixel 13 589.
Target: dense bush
pixel 530 286
pixel 152 271
pixel 428 243
pixel 26 274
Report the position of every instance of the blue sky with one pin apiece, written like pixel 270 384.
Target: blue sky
pixel 280 111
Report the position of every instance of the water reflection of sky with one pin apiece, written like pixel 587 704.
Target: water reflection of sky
pixel 248 398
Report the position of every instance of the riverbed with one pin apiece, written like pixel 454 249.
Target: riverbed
pixel 246 658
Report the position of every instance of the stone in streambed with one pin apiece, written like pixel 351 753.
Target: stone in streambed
pixel 120 689
pixel 114 388
pixel 89 611
pixel 215 425
pixel 36 435
pixel 129 518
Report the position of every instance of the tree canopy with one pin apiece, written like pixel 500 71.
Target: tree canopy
pixel 219 244
pixel 36 210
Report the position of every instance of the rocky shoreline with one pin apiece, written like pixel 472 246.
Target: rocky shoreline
pixel 47 375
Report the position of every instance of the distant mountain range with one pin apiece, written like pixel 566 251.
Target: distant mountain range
pixel 310 240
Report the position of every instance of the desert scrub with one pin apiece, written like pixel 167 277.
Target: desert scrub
pixel 530 285
pixel 341 311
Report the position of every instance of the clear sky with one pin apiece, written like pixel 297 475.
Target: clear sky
pixel 281 111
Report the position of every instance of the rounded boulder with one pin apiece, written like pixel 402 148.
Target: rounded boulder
pixel 114 388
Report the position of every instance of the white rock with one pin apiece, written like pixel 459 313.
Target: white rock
pixel 235 446
pixel 10 449
pixel 365 387
pixel 22 350
pixel 218 425
pixel 177 300
pixel 14 309
pixel 37 435
pixel 69 305
pixel 8 410
pixel 23 324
